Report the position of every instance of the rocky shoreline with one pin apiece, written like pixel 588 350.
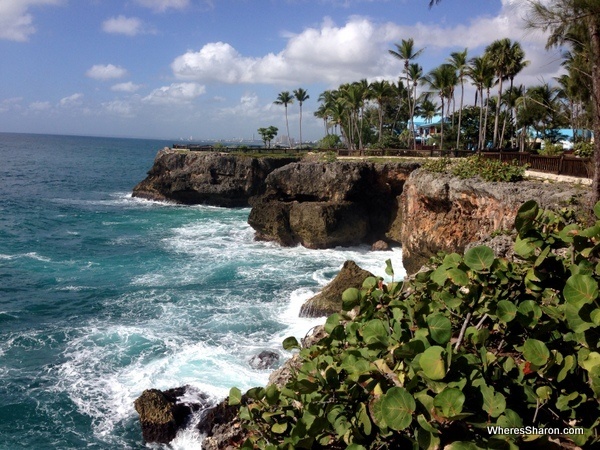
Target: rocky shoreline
pixel 321 205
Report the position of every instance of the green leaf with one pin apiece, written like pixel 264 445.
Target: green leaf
pixel 440 328
pixel 580 290
pixel 461 445
pixel 494 403
pixel 235 396
pixel 525 247
pixel 536 352
pixel 397 408
pixel 433 363
pixel 506 311
pixel 370 283
pixel 597 210
pixel 526 216
pixel 389 269
pixel 290 343
pixel 350 298
pixel 458 277
pixel 279 428
pixel 449 402
pixel 479 258
pixel 375 332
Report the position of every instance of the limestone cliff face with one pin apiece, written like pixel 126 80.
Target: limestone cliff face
pixel 444 213
pixel 206 178
pixel 322 205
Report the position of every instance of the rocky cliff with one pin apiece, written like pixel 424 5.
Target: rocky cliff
pixel 206 178
pixel 444 213
pixel 322 205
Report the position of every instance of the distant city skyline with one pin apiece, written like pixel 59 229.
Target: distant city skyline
pixel 211 69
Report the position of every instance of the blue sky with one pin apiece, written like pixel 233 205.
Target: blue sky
pixel 211 69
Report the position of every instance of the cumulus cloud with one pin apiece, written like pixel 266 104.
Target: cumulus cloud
pixel 330 53
pixel 129 26
pixel 16 22
pixel 163 5
pixel 119 108
pixel 176 93
pixel 106 72
pixel 9 104
pixel 126 87
pixel 71 101
pixel 40 106
pixel 358 49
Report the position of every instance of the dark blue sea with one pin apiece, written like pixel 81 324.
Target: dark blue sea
pixel 103 296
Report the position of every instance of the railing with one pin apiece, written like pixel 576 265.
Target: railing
pixel 559 165
pixel 245 149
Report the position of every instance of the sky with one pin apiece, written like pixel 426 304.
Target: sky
pixel 211 69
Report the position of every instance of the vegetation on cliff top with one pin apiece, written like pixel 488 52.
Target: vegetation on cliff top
pixel 476 166
pixel 470 343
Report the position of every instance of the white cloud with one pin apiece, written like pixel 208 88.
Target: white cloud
pixel 106 72
pixel 126 87
pixel 71 101
pixel 16 23
pixel 359 49
pixel 175 93
pixel 163 5
pixel 331 54
pixel 129 26
pixel 9 104
pixel 120 108
pixel 40 106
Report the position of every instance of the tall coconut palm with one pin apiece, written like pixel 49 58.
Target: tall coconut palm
pixel 406 52
pixel 499 54
pixel 508 59
pixel 482 76
pixel 301 95
pixel 441 80
pixel 380 92
pixel 458 60
pixel 285 98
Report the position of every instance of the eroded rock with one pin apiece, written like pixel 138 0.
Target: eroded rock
pixel 329 300
pixel 206 178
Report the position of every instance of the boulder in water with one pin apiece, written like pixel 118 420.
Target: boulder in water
pixel 162 413
pixel 267 359
pixel 329 300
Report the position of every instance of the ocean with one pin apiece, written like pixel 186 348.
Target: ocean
pixel 103 295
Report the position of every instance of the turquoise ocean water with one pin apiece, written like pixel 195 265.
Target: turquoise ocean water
pixel 103 296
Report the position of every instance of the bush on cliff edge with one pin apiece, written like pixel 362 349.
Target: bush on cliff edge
pixel 472 342
pixel 477 166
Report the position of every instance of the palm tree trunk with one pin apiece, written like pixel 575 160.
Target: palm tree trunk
pixel 480 139
pixel 462 97
pixel 287 126
pixel 300 125
pixel 487 109
pixel 594 32
pixel 497 118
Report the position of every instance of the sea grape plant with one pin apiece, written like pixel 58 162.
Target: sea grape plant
pixel 470 343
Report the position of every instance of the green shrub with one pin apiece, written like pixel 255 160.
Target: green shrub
pixel 331 141
pixel 488 169
pixel 470 343
pixel 551 149
pixel 437 165
pixel 583 149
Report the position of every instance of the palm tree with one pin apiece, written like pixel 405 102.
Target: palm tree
pixel 499 54
pixel 380 92
pixel 441 80
pixel 301 95
pixel 567 18
pixel 406 52
pixel 459 62
pixel 285 98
